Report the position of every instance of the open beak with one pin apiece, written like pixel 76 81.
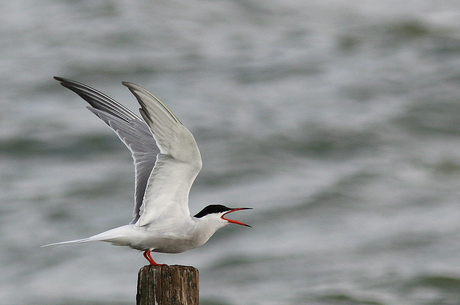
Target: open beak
pixel 236 221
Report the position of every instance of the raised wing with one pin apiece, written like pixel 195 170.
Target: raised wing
pixel 131 130
pixel 177 166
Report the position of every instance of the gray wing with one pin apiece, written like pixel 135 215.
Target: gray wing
pixel 179 162
pixel 131 130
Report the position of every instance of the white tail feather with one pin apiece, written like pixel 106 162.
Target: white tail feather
pixel 68 243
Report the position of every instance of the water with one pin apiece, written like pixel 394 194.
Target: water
pixel 338 122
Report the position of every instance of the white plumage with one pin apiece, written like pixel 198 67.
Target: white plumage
pixel 167 161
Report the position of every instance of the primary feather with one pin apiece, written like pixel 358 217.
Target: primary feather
pixel 131 130
pixel 177 165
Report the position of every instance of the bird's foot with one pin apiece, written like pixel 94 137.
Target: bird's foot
pixel 150 259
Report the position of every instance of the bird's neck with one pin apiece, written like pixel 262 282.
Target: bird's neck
pixel 206 227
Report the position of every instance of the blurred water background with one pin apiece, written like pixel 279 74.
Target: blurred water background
pixel 337 121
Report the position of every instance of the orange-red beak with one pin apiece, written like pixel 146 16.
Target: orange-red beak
pixel 236 221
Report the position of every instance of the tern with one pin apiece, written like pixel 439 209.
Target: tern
pixel 167 161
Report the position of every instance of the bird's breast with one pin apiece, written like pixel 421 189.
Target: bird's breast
pixel 165 240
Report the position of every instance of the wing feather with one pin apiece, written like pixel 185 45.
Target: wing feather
pixel 177 166
pixel 131 130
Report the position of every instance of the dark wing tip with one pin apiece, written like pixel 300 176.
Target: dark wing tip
pixel 131 86
pixel 68 83
pixel 62 79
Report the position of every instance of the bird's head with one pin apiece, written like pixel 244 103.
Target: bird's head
pixel 218 212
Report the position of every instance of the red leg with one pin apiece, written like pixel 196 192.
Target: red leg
pixel 150 259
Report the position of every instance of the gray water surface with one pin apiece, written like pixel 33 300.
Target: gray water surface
pixel 337 121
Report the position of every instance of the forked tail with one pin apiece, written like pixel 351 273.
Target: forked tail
pixel 68 243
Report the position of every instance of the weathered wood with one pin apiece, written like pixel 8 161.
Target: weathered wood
pixel 167 285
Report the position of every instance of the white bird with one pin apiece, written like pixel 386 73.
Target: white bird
pixel 166 161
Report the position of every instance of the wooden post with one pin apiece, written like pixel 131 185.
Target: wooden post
pixel 167 285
